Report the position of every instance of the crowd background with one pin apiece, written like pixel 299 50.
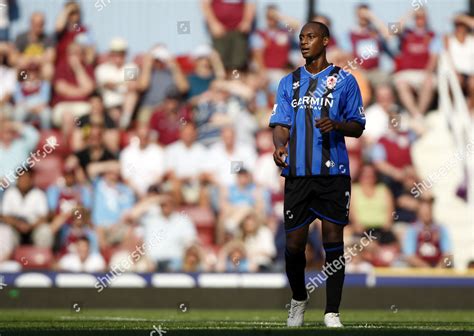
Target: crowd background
pixel 103 150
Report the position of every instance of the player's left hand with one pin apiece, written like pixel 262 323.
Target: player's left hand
pixel 326 125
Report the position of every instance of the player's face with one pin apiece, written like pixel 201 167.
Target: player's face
pixel 312 44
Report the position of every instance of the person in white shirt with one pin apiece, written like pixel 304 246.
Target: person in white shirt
pixel 82 260
pixel 228 156
pixel 142 162
pixel 116 81
pixel 25 210
pixel 186 166
pixel 167 233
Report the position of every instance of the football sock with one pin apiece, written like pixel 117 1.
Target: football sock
pixel 335 270
pixel 295 265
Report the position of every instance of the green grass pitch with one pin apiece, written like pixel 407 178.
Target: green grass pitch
pixel 230 322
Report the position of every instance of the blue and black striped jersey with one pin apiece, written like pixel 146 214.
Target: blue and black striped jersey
pixel 302 98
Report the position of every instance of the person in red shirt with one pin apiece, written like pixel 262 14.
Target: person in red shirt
pixel 168 118
pixel 230 22
pixel 415 65
pixel 366 41
pixel 427 244
pixel 73 83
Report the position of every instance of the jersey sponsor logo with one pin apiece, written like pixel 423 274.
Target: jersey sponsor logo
pixel 296 85
pixel 313 102
pixel 361 112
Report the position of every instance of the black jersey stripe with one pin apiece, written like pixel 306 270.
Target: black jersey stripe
pixel 294 135
pixel 309 128
pixel 326 145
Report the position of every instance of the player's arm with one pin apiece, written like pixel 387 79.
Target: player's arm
pixel 353 119
pixel 281 135
pixel 349 129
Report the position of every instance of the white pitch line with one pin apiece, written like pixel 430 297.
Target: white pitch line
pixel 105 318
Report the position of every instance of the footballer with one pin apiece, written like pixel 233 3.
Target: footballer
pixel 317 105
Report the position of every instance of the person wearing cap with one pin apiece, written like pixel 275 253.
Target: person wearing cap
pixel 207 67
pixel 159 75
pixel 115 79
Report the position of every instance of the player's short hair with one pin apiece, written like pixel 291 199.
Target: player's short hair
pixel 323 29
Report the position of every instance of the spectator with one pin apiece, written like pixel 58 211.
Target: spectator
pixel 73 83
pixel 82 259
pixel 366 40
pixel 168 117
pixel 460 47
pixel 391 156
pixel 229 24
pixel 381 114
pixel 69 226
pixel 167 233
pixel 118 92
pixel 258 240
pixel 207 67
pixel 187 167
pixel 32 98
pixel 160 75
pixel 415 66
pixel 69 193
pixel 68 26
pixel 112 199
pixel 96 118
pixel 372 206
pixel 271 46
pixel 95 150
pixel 236 197
pixel 406 203
pixel 35 47
pixel 194 260
pixel 228 156
pixel 8 76
pixel 142 162
pixel 16 142
pixel 25 209
pixel 233 257
pixel 427 244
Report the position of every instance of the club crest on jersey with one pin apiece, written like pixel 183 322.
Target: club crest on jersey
pixel 331 82
pixel 296 85
pixel 361 111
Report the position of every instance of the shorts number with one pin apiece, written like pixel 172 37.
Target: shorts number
pixel 348 195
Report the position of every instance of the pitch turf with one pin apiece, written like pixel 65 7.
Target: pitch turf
pixel 231 322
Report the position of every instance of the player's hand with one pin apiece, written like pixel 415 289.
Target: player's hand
pixel 326 125
pixel 279 156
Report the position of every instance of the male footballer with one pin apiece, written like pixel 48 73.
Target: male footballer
pixel 316 107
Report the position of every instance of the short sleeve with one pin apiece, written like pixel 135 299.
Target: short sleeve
pixel 445 242
pixel 353 106
pixel 409 242
pixel 282 113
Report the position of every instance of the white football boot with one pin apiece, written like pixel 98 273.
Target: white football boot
pixel 331 320
pixel 296 313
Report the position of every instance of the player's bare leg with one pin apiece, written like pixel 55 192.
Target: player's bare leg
pixel 333 243
pixel 295 264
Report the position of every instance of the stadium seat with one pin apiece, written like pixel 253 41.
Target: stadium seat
pixel 34 258
pixel 48 170
pixel 204 220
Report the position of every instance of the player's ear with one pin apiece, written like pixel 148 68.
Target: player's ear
pixel 325 41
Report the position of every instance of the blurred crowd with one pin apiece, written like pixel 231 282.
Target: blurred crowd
pixel 101 153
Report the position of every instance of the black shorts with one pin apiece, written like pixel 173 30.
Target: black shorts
pixel 323 197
